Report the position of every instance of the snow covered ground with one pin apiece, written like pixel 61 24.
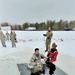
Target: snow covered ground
pixel 29 40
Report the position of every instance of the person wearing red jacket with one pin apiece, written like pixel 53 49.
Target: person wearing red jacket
pixel 52 56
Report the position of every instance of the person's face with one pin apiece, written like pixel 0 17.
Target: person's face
pixel 37 52
pixel 49 29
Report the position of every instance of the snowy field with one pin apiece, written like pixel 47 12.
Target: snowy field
pixel 64 39
pixel 29 40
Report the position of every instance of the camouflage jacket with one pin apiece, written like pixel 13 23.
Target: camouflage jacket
pixel 35 57
pixel 49 35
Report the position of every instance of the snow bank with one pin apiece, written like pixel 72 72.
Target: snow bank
pixel 66 63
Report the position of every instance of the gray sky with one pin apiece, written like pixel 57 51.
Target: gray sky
pixel 21 11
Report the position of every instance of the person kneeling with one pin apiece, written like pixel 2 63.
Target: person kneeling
pixel 35 61
pixel 52 56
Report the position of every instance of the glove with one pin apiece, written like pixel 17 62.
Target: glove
pixel 47 61
pixel 44 34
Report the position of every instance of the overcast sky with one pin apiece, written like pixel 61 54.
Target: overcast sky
pixel 21 11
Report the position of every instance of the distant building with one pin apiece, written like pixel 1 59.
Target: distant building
pixel 5 26
pixel 30 29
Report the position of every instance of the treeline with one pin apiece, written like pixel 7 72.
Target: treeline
pixel 53 24
pixel 44 25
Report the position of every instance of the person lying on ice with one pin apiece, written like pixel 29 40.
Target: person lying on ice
pixel 36 62
pixel 52 55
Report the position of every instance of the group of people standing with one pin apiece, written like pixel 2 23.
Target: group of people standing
pixel 6 37
pixel 35 61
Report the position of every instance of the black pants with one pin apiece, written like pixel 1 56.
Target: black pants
pixel 35 74
pixel 51 67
